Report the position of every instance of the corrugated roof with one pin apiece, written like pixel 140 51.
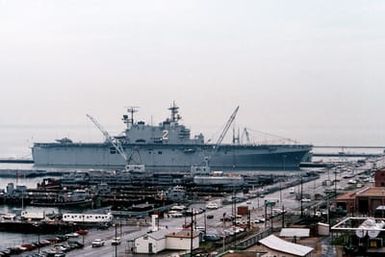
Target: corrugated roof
pixel 280 245
pixel 295 232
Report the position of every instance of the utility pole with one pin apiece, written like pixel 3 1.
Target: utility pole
pixel 265 214
pixel 283 216
pixel 280 181
pixel 301 196
pixel 235 218
pixel 191 232
pixel 116 235
pixel 271 217
pixel 328 216
pixel 280 192
pixel 335 184
pixel 204 216
pixel 224 232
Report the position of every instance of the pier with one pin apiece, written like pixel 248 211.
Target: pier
pixel 350 155
pixel 11 160
pixel 352 146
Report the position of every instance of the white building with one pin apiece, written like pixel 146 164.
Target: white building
pixel 164 239
pixel 277 247
pixel 182 240
pixel 152 242
pixel 87 217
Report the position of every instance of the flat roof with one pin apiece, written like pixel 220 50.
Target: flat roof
pixel 295 232
pixel 354 223
pixel 186 233
pixel 280 245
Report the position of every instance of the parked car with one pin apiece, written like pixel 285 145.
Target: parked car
pixel 72 235
pixel 98 243
pixel 116 241
pixel 212 205
pixel 82 232
pixel 212 237
pixel 75 244
pixel 210 216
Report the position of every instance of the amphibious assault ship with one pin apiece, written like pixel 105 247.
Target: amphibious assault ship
pixel 167 146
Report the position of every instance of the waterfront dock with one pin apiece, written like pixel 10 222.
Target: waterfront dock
pixel 11 160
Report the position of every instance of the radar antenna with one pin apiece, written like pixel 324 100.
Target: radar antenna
pixel 175 117
pixel 130 120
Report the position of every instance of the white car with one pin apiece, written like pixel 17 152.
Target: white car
pixel 72 235
pixel 98 243
pixel 212 205
pixel 175 214
pixel 116 241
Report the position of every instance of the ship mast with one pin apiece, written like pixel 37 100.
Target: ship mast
pixel 129 121
pixel 175 117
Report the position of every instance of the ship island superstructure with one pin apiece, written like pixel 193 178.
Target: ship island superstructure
pixel 167 146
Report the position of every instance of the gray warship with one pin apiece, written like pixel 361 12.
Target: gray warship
pixel 167 146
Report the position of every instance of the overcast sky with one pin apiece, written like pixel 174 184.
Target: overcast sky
pixel 301 69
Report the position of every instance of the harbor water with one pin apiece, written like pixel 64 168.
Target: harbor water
pixel 12 239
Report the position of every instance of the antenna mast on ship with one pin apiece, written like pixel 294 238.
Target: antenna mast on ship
pixel 175 117
pixel 130 120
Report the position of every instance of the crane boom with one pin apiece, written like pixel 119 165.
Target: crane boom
pixel 225 129
pixel 110 139
pixel 247 135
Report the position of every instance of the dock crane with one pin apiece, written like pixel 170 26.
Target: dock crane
pixel 113 141
pixel 206 167
pixel 225 129
pixel 117 145
pixel 247 135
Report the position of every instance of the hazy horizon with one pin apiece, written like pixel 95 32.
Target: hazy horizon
pixel 307 70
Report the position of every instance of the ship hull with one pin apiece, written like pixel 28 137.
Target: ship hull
pixel 170 157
